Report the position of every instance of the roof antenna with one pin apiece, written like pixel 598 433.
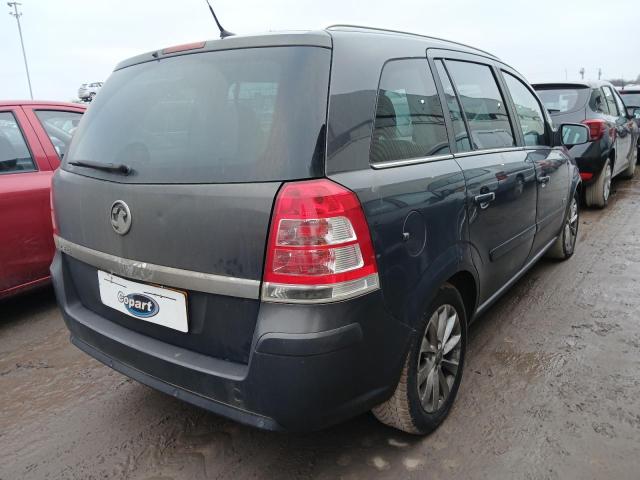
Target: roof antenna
pixel 223 33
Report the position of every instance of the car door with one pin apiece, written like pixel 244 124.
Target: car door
pixel 620 124
pixel 551 164
pixel 631 128
pixel 26 243
pixel 500 177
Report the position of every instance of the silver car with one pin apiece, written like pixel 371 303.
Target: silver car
pixel 89 90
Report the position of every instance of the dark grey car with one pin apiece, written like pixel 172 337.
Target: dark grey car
pixel 612 147
pixel 292 229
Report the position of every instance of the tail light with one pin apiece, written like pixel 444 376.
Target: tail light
pixel 597 128
pixel 586 176
pixel 319 246
pixel 54 224
pixel 183 48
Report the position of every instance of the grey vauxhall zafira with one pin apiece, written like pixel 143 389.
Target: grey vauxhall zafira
pixel 292 229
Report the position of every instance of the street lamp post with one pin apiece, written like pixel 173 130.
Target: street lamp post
pixel 17 14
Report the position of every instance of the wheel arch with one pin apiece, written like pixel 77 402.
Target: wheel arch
pixel 454 266
pixel 465 282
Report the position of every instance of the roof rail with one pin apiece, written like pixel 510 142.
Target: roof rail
pixel 364 27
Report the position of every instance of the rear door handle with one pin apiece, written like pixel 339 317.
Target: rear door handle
pixel 484 199
pixel 544 180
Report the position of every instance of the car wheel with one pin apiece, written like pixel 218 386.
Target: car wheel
pixel 433 368
pixel 565 245
pixel 597 194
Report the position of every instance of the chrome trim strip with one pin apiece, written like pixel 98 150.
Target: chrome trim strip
pixel 487 151
pixel 510 244
pixel 169 276
pixel 514 279
pixel 410 161
pixel 435 158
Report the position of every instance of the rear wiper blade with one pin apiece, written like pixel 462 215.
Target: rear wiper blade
pixel 120 168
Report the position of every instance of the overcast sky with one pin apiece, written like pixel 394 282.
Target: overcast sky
pixel 70 42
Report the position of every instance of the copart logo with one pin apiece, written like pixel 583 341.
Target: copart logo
pixel 139 305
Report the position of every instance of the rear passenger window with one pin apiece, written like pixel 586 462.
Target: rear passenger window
pixel 621 108
pixel 14 153
pixel 483 105
pixel 409 120
pixel 528 110
pixel 455 111
pixel 60 127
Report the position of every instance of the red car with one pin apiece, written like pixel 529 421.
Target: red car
pixel 33 138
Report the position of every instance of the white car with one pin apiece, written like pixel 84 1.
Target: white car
pixel 89 90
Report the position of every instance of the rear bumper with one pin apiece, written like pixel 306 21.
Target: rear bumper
pixel 590 158
pixel 310 365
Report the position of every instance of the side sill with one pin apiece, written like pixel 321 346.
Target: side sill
pixel 487 303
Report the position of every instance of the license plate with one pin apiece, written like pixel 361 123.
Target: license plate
pixel 158 305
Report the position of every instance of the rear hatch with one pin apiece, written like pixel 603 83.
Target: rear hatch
pixel 209 136
pixel 566 103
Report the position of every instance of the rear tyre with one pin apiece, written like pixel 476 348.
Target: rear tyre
pixel 597 194
pixel 433 369
pixel 565 245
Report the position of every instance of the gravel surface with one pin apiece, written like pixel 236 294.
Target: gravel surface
pixel 551 390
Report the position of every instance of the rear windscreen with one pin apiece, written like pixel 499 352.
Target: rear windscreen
pixel 563 100
pixel 631 99
pixel 227 116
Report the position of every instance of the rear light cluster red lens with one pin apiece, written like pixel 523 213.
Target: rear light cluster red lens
pixel 597 128
pixel 586 176
pixel 319 245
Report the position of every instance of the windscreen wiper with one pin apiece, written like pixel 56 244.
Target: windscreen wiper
pixel 120 168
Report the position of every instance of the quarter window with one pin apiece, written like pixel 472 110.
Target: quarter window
pixel 597 103
pixel 483 105
pixel 14 153
pixel 59 127
pixel 528 110
pixel 409 121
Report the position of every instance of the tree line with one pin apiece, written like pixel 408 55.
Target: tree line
pixel 621 82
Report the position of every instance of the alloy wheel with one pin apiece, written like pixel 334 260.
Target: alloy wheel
pixel 439 358
pixel 571 227
pixel 606 183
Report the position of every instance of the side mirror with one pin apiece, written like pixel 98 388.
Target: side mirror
pixel 633 112
pixel 573 134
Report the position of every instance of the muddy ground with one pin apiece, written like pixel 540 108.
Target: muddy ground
pixel 551 390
